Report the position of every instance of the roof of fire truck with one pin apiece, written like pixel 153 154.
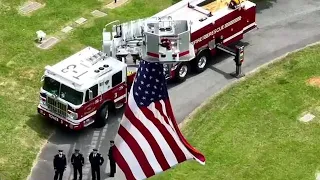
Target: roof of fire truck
pixel 218 9
pixel 84 68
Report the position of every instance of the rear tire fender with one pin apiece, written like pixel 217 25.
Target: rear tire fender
pixel 103 113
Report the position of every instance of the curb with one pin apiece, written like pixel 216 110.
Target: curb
pixel 35 161
pixel 233 83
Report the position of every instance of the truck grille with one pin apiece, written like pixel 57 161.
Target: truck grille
pixel 57 107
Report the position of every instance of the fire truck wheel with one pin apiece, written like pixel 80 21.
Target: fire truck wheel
pixel 102 116
pixel 181 72
pixel 200 63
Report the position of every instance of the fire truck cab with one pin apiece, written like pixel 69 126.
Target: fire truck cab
pixel 81 89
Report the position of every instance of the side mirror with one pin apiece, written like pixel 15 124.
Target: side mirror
pixel 90 95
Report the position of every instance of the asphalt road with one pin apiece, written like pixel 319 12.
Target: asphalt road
pixel 283 27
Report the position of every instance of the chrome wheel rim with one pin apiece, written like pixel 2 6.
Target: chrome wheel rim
pixel 202 62
pixel 183 71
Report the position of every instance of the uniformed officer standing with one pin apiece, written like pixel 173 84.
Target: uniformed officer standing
pixel 111 159
pixel 77 161
pixel 59 164
pixel 96 160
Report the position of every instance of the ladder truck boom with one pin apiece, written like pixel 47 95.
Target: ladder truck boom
pixel 153 39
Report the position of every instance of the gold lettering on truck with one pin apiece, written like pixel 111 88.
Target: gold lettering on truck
pixel 211 33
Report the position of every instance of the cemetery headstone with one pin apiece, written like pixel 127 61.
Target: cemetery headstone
pixel 48 43
pixel 98 13
pixel 29 7
pixel 67 29
pixel 307 117
pixel 81 20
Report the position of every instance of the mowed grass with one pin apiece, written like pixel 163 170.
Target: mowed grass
pixel 252 132
pixel 22 131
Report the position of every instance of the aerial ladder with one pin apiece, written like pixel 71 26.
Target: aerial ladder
pixel 152 39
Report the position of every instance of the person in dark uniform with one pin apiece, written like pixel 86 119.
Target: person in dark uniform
pixel 77 161
pixel 96 160
pixel 111 159
pixel 59 164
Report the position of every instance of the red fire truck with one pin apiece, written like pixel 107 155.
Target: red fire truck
pixel 215 24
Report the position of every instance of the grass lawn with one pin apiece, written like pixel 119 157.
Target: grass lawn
pixel 252 132
pixel 22 132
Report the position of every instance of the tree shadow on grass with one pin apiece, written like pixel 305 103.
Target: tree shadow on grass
pixel 42 126
pixel 261 4
pixel 45 126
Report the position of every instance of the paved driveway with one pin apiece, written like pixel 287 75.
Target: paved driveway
pixel 285 25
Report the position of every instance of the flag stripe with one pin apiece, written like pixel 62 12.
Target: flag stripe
pixel 200 158
pixel 165 114
pixel 186 152
pixel 154 130
pixel 139 154
pixel 171 142
pixel 149 137
pixel 143 143
pixel 123 165
pixel 129 156
pixel 158 106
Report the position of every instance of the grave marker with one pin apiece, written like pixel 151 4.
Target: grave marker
pixel 48 43
pixel 98 13
pixel 67 29
pixel 30 7
pixel 113 5
pixel 317 176
pixel 81 20
pixel 307 117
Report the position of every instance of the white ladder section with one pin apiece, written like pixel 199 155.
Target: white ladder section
pixel 133 29
pixel 152 39
pixel 125 34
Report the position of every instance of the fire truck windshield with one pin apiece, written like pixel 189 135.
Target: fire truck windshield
pixel 71 95
pixel 64 92
pixel 51 85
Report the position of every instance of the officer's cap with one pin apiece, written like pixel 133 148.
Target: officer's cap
pixel 76 150
pixel 95 149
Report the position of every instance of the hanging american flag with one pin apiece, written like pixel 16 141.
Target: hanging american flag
pixel 149 140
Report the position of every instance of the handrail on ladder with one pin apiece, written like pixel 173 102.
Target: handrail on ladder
pixel 111 23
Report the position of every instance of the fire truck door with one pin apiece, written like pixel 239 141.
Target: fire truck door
pixel 105 85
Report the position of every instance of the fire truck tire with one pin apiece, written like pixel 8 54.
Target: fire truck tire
pixel 102 116
pixel 181 72
pixel 200 63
